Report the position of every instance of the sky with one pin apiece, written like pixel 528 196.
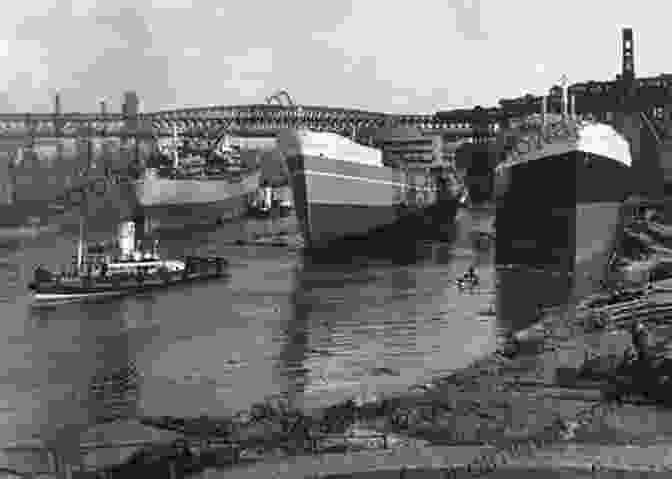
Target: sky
pixel 418 56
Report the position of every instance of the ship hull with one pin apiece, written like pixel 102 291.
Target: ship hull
pixel 115 286
pixel 178 216
pixel 169 203
pixel 60 293
pixel 157 191
pixel 337 200
pixel 561 214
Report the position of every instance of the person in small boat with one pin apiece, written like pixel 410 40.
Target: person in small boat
pixel 470 277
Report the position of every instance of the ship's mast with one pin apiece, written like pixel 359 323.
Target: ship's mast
pixel 80 243
pixel 563 85
pixel 572 110
pixel 176 158
pixel 84 209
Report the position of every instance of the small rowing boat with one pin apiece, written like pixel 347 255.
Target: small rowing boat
pixel 467 282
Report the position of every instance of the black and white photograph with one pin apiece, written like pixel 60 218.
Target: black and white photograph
pixel 349 239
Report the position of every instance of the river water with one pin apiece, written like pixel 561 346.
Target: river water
pixel 280 324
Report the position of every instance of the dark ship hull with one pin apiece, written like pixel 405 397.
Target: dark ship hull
pixel 480 184
pixel 480 173
pixel 562 212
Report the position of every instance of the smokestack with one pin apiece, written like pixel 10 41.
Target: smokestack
pixel 103 107
pixel 628 69
pixel 572 105
pixel 57 104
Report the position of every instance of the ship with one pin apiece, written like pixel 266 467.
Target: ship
pixel 193 188
pixel 342 190
pixel 559 196
pixel 132 271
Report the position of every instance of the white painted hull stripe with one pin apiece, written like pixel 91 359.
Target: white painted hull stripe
pixel 563 148
pixel 362 179
pixel 52 296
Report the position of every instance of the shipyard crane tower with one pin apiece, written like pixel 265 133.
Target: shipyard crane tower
pixel 633 118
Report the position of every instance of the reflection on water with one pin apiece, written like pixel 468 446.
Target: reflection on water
pixel 280 324
pixel 521 293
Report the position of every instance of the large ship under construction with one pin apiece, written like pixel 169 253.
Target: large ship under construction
pixel 343 191
pixel 559 195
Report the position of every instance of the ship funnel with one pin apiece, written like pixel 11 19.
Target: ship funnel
pixel 268 197
pixel 127 238
pixel 572 106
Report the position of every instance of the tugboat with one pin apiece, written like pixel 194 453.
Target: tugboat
pixel 132 271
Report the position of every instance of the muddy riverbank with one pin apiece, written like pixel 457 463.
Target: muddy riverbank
pixel 512 407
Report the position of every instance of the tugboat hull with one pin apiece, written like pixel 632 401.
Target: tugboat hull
pixel 81 289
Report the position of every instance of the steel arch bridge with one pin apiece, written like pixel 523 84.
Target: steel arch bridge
pixel 207 122
pixel 649 95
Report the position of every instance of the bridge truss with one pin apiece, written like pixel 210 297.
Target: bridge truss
pixel 648 95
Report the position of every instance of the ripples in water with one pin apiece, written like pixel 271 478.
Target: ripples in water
pixel 281 325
